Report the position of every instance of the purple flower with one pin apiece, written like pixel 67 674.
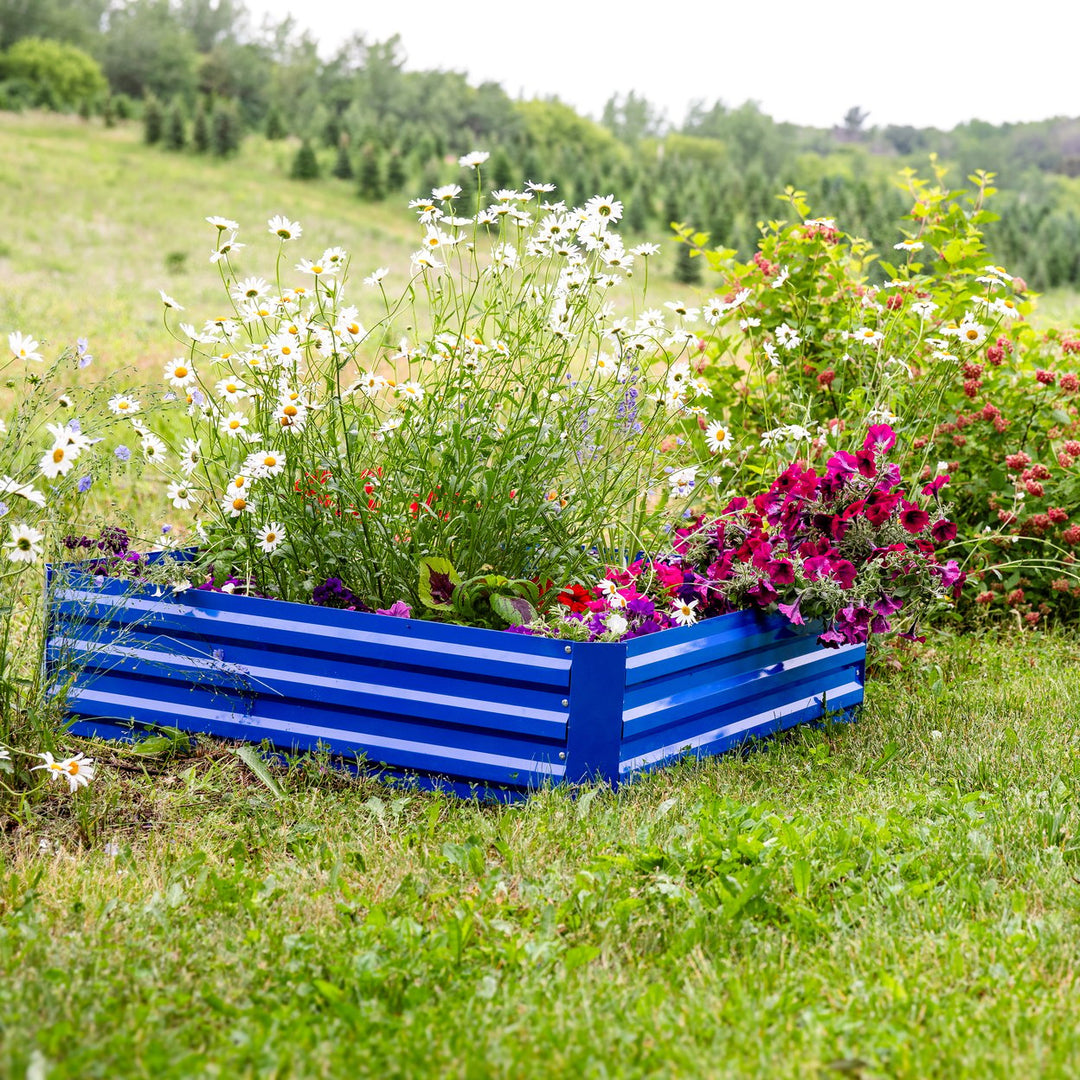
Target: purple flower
pixel 640 605
pixel 85 358
pixel 888 605
pixel 84 484
pixel 400 610
pixel 880 438
pixel 792 613
pixel 951 573
pixel 122 453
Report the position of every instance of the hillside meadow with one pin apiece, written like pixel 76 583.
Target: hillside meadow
pixel 897 898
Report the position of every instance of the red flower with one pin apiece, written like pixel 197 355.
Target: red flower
pixel 575 597
pixel 913 518
pixel 943 532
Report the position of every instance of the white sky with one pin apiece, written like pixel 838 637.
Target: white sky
pixel 926 64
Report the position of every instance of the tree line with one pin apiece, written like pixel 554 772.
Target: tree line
pixel 199 75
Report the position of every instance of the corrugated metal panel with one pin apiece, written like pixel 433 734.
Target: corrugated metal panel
pixel 472 704
pixel 456 705
pixel 729 679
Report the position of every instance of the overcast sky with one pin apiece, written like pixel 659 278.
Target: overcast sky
pixel 929 64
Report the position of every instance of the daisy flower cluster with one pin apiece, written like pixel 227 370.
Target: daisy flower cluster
pixel 507 408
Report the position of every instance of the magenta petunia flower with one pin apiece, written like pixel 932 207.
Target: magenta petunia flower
pixel 880 438
pixel 914 519
pixel 943 532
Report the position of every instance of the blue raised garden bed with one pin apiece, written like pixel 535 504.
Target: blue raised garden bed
pixel 450 706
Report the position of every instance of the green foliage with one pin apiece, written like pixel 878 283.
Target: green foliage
pixel 305 165
pixel 153 121
pixel 370 186
pixel 200 129
pixel 274 128
pixel 343 168
pixel 489 600
pixel 60 76
pixel 225 133
pixel 396 175
pixel 687 265
pixel 144 51
pixel 175 137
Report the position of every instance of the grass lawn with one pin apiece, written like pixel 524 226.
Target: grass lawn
pixel 896 898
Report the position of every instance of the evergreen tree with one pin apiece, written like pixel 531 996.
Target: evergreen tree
pixel 343 169
pixel 672 207
pixel 275 126
pixel 153 121
pixel 305 164
pixel 636 210
pixel 430 178
pixel 371 186
pixel 224 130
pixel 332 130
pixel 200 129
pixel 175 127
pixel 501 170
pixel 396 177
pixel 687 268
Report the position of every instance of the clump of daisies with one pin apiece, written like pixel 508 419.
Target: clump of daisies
pixel 513 405
pixel 52 461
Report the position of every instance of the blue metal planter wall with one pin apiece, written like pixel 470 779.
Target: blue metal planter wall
pixel 454 706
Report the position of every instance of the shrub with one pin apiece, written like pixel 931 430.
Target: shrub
pixel 61 76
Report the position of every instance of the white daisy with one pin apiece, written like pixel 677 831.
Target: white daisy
pixel 270 536
pixel 234 505
pixel 718 437
pixel 57 462
pixel 24 347
pixel 25 543
pixel 123 405
pixel 232 390
pixel 265 463
pixel 77 770
pixel 234 425
pixel 152 447
pixel 179 373
pixel 683 612
pixel 190 455
pixel 282 227
pixel 180 495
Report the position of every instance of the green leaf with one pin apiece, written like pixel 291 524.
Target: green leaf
pixel 156 744
pixel 800 876
pixel 516 610
pixel 438 580
pixel 253 760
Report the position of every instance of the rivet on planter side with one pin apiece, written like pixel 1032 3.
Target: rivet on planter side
pixel 565 701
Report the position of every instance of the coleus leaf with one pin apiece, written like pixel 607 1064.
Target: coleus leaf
pixel 438 580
